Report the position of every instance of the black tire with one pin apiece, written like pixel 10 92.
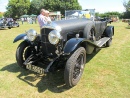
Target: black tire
pixel 109 42
pixel 23 51
pixel 92 35
pixel 74 67
pixel 9 27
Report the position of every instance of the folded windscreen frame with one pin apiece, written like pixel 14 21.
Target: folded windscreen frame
pixel 87 13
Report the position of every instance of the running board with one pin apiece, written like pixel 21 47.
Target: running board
pixel 102 41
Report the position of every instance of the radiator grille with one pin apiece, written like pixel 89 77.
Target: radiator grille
pixel 47 47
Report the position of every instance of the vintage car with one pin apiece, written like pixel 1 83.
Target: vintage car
pixel 12 22
pixel 62 45
pixel 4 23
pixel 8 23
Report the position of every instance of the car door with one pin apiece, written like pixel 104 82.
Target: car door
pixel 103 26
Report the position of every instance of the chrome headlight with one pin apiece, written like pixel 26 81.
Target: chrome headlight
pixel 31 34
pixel 54 37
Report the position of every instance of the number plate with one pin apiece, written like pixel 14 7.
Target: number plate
pixel 35 68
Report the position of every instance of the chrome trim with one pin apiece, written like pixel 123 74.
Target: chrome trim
pixel 52 25
pixel 31 33
pixel 25 37
pixel 55 33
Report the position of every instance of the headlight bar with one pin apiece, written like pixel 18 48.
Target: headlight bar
pixel 31 34
pixel 54 37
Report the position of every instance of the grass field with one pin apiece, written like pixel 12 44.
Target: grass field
pixel 106 75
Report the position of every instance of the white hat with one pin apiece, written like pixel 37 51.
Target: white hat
pixel 47 11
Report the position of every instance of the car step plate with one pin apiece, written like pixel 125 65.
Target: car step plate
pixel 102 41
pixel 35 68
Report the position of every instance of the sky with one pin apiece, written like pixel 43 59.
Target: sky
pixel 103 5
pixel 100 6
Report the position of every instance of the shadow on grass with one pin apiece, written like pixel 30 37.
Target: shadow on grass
pixel 128 27
pixel 90 56
pixel 4 29
pixel 51 81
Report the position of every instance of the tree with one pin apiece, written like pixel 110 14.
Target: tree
pixel 69 5
pixel 35 6
pixel 109 14
pixel 54 5
pixel 16 8
pixel 126 14
pixel 1 14
pixel 127 5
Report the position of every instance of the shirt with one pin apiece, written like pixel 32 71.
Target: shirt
pixel 41 20
pixel 48 19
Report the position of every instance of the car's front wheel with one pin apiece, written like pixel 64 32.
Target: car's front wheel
pixel 22 53
pixel 74 67
pixel 18 25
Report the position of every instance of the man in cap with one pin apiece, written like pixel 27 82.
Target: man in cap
pixel 41 18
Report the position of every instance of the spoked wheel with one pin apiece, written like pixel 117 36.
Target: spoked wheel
pixel 74 67
pixel 79 65
pixel 22 53
pixel 92 35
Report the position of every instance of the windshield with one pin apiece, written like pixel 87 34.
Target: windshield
pixel 88 13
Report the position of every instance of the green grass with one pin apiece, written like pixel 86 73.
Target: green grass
pixel 106 75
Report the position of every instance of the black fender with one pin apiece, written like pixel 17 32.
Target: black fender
pixel 19 37
pixel 109 31
pixel 72 44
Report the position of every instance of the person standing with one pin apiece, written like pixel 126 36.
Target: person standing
pixel 22 19
pixel 41 18
pixel 35 19
pixel 48 19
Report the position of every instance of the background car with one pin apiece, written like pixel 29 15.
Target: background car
pixel 12 22
pixel 4 24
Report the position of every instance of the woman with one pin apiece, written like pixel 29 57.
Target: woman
pixel 48 19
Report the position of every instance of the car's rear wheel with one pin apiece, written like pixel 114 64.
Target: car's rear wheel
pixel 92 35
pixel 74 67
pixel 22 53
pixel 109 42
